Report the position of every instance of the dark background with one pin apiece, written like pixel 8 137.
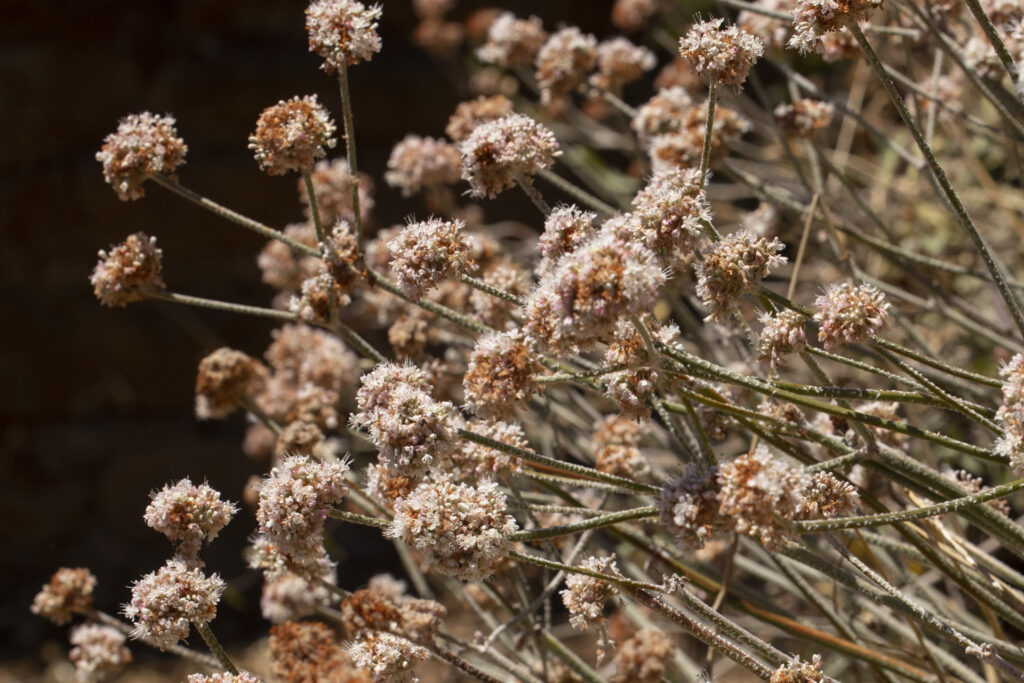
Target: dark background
pixel 96 406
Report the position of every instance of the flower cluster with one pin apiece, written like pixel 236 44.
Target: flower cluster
pixel 563 62
pixel 672 208
pixel 1010 415
pixel 813 19
pixel 387 657
pixel 426 252
pixel 585 596
pixel 616 447
pixel 468 115
pixel 166 602
pixel 566 228
pixel 68 592
pixel 143 146
pixel 418 162
pixel 291 135
pixel 459 530
pixel 619 62
pixel 309 651
pixel 734 266
pixel 342 32
pixel 512 41
pixel 126 272
pixel 803 118
pixel 500 152
pixel 499 375
pixel 850 315
pixel 384 606
pixel 98 651
pixel 226 379
pixel 188 515
pixel 782 334
pixel 720 55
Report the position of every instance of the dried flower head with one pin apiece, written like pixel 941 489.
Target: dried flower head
pixel 1010 414
pixel 585 596
pixel 294 500
pixel 468 115
pixel 384 606
pixel 332 184
pixel 98 651
pixel 460 530
pixel 813 19
pixel 799 671
pixel 620 62
pixel 499 375
pixel 188 515
pixel 309 651
pixel 166 601
pixel 417 162
pixel 68 592
pixel 583 298
pixel 512 41
pixel 129 269
pixel 563 62
pixel 720 55
pixel 633 15
pixel 758 494
pixel 662 113
pixel 782 334
pixel 225 380
pixel 341 257
pixel 682 147
pixel 499 152
pixel 506 276
pixel 426 252
pixel 644 657
pixel 773 32
pixel 734 266
pixel 566 228
pixel 144 145
pixel 671 209
pixel 342 32
pixel 306 355
pixel 689 507
pixel 616 447
pixel 804 117
pixel 320 300
pixel 291 135
pixel 823 496
pixel 388 658
pixel 850 315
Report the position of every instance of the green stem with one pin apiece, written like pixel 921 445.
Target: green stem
pixel 906 515
pixel 963 218
pixel 571 569
pixel 232 216
pixel 579 194
pixel 594 523
pixel 356 341
pixel 527 186
pixel 222 305
pixel 215 647
pixel 350 149
pixel 709 129
pixel 314 207
pixel 435 308
pixel 492 290
pixel 357 518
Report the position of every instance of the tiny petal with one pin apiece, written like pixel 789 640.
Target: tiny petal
pixel 291 135
pixel 129 269
pixel 342 32
pixel 850 315
pixel 144 145
pixel 720 55
pixel 497 152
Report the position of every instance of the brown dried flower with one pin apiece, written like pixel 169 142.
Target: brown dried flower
pixel 129 269
pixel 342 32
pixel 309 652
pixel 68 592
pixel 512 41
pixel 499 375
pixel 225 380
pixel 417 162
pixel 426 252
pixel 563 62
pixel 499 152
pixel 144 145
pixel 734 266
pixel 850 315
pixel 720 55
pixel 384 606
pixel 291 135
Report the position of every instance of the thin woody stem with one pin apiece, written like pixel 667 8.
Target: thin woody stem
pixel 527 186
pixel 350 149
pixel 594 523
pixel 314 207
pixel 216 305
pixel 709 129
pixel 216 648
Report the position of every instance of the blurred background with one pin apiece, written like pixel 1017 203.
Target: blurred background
pixel 97 406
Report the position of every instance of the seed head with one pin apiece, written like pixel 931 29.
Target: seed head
pixel 469 115
pixel 307 651
pixel 498 152
pixel 671 210
pixel 388 658
pixel 644 657
pixel 291 135
pixel 803 118
pixel 166 601
pixel 734 266
pixel 342 32
pixel 563 62
pixel 426 252
pixel 758 495
pixel 585 596
pixel 144 145
pixel 499 375
pixel 566 229
pixel 225 380
pixel 782 334
pixel 98 651
pixel 287 596
pixel 512 41
pixel 417 162
pixel 813 19
pixel 320 300
pixel 384 606
pixel 583 298
pixel 720 55
pixel 460 530
pixel 850 315
pixel 188 515
pixel 662 113
pixel 620 62
pixel 68 592
pixel 129 269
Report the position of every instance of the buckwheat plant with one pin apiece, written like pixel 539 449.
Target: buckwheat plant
pixel 742 399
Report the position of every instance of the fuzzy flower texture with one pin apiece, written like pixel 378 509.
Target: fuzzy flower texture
pixel 144 145
pixel 720 55
pixel 342 32
pixel 498 153
pixel 425 252
pixel 166 602
pixel 188 515
pixel 127 271
pixel 291 135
